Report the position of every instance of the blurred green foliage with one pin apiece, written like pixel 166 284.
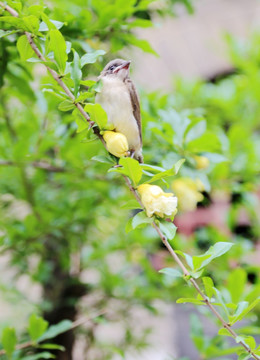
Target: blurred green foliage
pixel 60 221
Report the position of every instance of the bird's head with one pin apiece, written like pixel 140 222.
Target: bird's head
pixel 116 68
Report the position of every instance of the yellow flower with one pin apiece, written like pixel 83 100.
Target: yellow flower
pixel 202 162
pixel 156 201
pixel 116 143
pixel 188 192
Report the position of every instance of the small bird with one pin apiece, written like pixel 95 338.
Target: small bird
pixel 119 99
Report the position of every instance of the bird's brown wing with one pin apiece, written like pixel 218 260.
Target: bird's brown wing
pixel 135 104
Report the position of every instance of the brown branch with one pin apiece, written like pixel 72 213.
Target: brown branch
pixel 187 274
pixel 75 324
pixel 128 183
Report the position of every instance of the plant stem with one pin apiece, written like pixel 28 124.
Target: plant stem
pixel 128 183
pixel 74 325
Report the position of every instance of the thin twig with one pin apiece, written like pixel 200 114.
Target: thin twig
pixel 81 321
pixel 128 183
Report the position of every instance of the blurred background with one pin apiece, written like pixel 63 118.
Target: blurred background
pixel 64 250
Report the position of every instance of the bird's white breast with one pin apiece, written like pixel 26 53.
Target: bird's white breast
pixel 115 100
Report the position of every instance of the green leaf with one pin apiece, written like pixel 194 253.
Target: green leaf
pixel 196 131
pixel 103 159
pixel 168 229
pixel 66 105
pixel 209 286
pixel 97 114
pixel 190 300
pixel 196 274
pixel 187 257
pixel 131 204
pixel 24 48
pixel 6 33
pixel 173 273
pixel 221 301
pixel 236 283
pixel 248 340
pixel 37 326
pixel 31 23
pixel 88 83
pixel 170 172
pixel 97 87
pixel 43 355
pixel 224 331
pixel 83 96
pixel 14 21
pixel 55 330
pixel 141 219
pixel 214 251
pixel 76 73
pixel 244 356
pixel 91 58
pixel 247 309
pixel 131 168
pixel 58 46
pixel 9 340
pixel 51 347
pixel 49 24
pixel 207 142
pixel 35 10
pixel 80 121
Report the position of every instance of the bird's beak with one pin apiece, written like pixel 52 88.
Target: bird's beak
pixel 125 65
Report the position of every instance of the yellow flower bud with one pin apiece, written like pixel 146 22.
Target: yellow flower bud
pixel 188 192
pixel 156 201
pixel 202 162
pixel 116 143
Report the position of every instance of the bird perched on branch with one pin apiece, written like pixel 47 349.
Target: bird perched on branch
pixel 119 99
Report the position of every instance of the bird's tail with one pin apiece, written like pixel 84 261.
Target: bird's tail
pixel 139 156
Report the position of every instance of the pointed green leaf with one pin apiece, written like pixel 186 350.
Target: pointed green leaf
pixel 187 257
pixel 190 300
pixel 196 131
pixel 55 330
pixel 164 174
pixel 66 105
pixel 248 309
pixel 97 114
pixel 236 283
pixel 9 340
pixel 168 229
pixel 209 286
pixel 91 58
pixel 225 332
pixel 173 273
pixel 103 159
pixel 80 121
pixel 76 73
pixel 214 251
pixel 37 326
pixel 31 23
pixel 58 46
pixel 24 48
pixel 131 168
pixel 141 219
pixel 131 204
pixel 41 356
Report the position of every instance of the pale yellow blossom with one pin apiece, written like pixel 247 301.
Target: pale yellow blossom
pixel 157 202
pixel 202 162
pixel 116 143
pixel 188 192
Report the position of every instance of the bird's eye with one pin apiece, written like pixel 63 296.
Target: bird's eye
pixel 112 67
